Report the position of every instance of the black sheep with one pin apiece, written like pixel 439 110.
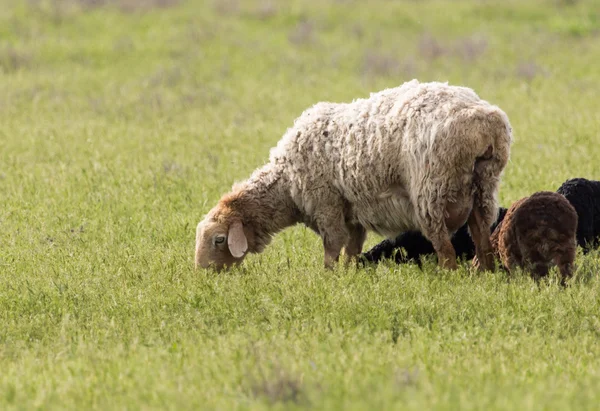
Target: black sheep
pixel 416 245
pixel 584 196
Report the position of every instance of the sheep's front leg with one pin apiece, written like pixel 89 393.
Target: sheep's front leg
pixel 334 233
pixel 480 232
pixel 585 235
pixel 566 272
pixel 565 264
pixel 358 235
pixel 538 270
pixel 332 243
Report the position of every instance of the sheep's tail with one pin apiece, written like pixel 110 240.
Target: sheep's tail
pixel 490 156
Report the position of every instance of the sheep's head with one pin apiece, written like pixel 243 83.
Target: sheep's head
pixel 221 241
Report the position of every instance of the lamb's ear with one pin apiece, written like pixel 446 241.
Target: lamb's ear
pixel 236 239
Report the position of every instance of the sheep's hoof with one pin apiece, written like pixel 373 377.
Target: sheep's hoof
pixel 449 264
pixel 330 263
pixel 354 261
pixel 484 264
pixel 481 269
pixel 476 264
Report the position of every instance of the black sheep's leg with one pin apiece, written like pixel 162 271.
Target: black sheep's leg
pixel 585 236
pixel 463 243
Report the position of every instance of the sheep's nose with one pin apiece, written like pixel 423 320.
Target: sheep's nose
pixel 202 264
pixel 212 266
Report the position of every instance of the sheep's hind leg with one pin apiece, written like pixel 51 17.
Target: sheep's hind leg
pixel 446 254
pixel 443 248
pixel 439 236
pixel 481 238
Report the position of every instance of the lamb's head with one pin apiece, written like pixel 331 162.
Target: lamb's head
pixel 221 240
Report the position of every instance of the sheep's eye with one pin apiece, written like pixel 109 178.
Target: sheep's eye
pixel 219 239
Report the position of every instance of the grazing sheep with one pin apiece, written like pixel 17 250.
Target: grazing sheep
pixel 412 245
pixel 425 156
pixel 536 232
pixel 584 195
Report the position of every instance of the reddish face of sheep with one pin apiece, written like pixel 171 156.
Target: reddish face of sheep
pixel 538 232
pixel 221 240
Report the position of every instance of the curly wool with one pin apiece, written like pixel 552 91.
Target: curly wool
pixel 536 233
pixel 584 195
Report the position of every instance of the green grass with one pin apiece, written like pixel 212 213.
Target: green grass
pixel 122 124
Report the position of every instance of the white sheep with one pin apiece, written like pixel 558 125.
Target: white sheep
pixel 422 156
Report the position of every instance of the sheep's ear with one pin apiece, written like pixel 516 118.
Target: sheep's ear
pixel 236 239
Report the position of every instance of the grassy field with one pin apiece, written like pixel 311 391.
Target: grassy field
pixel 122 122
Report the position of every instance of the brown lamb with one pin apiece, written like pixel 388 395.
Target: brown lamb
pixel 537 232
